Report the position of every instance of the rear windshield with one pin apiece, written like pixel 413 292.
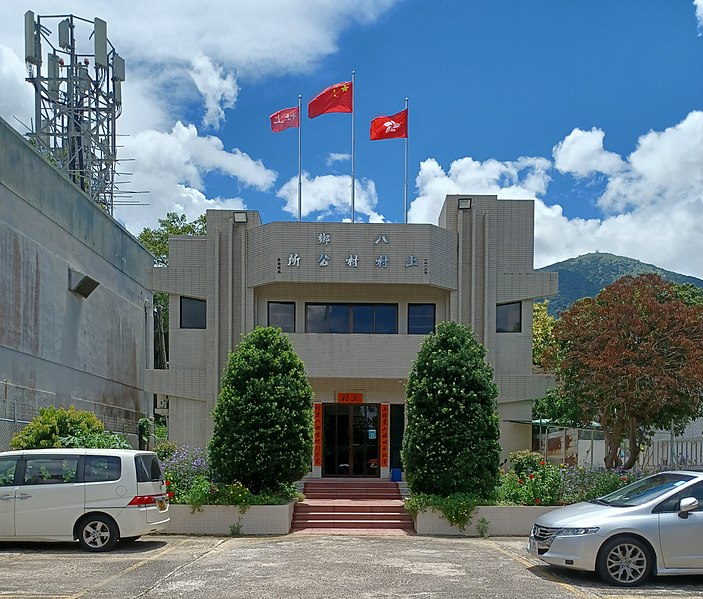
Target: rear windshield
pixel 148 468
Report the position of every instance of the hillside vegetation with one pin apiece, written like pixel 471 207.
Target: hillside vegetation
pixel 586 275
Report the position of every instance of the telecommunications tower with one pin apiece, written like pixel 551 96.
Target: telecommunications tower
pixel 78 98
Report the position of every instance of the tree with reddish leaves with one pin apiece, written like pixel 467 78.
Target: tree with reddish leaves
pixel 630 359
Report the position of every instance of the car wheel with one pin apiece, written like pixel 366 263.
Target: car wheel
pixel 97 533
pixel 625 561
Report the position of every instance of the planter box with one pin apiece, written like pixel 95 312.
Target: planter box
pixel 503 521
pixel 217 520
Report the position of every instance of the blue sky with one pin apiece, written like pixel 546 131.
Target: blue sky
pixel 591 108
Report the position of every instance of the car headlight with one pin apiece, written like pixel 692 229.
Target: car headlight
pixel 576 532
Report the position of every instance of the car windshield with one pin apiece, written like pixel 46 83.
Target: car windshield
pixel 644 490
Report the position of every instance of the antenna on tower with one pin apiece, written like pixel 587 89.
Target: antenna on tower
pixel 76 103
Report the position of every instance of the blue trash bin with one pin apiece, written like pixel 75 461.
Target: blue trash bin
pixel 396 475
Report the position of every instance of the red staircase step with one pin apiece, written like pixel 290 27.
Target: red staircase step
pixel 351 505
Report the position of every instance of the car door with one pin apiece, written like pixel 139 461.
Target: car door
pixel 8 466
pixel 48 499
pixel 681 537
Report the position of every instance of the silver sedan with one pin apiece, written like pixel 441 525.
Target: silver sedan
pixel 652 526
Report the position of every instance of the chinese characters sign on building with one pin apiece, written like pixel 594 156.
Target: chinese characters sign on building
pixel 350 398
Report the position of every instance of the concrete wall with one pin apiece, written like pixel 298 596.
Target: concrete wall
pixel 57 347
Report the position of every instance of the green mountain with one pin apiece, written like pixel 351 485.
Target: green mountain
pixel 586 275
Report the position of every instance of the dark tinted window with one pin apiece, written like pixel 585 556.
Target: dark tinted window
pixel 509 318
pixel 339 318
pixel 672 504
pixel 193 313
pixel 7 471
pixel 100 468
pixel 316 318
pixel 282 314
pixel 362 317
pixel 385 319
pixel 421 319
pixel 351 318
pixel 50 470
pixel 148 468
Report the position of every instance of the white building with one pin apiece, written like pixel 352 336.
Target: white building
pixel 356 300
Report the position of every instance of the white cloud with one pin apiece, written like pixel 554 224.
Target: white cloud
pixel 653 201
pixel 520 179
pixel 581 153
pixel 330 195
pixel 337 157
pixel 16 95
pixel 665 168
pixel 175 55
pixel 699 14
pixel 172 166
pixel 219 89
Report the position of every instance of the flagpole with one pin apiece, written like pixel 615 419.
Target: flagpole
pixel 405 187
pixel 300 172
pixel 352 147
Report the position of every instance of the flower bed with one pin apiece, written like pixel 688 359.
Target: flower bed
pixel 227 520
pixel 487 520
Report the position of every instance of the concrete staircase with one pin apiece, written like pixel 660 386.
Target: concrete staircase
pixel 351 506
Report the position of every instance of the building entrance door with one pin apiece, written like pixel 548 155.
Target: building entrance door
pixel 350 437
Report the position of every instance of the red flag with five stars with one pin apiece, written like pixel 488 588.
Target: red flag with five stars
pixel 336 98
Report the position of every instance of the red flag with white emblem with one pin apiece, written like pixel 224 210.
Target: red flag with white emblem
pixel 390 127
pixel 285 119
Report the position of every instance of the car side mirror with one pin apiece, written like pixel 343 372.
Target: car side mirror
pixel 687 504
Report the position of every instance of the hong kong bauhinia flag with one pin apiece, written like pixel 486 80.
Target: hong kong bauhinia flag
pixel 390 127
pixel 285 119
pixel 336 98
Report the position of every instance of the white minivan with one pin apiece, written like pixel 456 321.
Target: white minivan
pixel 98 496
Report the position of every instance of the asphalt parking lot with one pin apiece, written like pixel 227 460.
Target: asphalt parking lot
pixel 314 566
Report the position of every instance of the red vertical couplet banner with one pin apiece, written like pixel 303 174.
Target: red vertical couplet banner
pixel 384 435
pixel 317 452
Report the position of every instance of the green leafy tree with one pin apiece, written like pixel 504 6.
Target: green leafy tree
pixel 690 294
pixel 542 331
pixel 631 359
pixel 263 434
pixel 60 427
pixel 156 241
pixel 451 441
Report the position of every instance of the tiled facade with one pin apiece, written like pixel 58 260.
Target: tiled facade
pixel 475 259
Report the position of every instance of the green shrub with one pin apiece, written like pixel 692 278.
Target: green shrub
pixel 584 484
pixel 457 508
pixel 263 433
pixel 451 442
pixel 525 461
pixel 60 427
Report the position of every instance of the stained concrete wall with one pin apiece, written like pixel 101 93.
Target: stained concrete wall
pixel 57 347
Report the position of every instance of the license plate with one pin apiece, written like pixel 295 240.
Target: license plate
pixel 532 546
pixel 161 504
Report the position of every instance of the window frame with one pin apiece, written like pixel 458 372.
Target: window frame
pixel 519 322
pixel 290 327
pixel 326 320
pixel 434 318
pixel 200 302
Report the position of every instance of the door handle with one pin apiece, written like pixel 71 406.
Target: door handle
pixel 6 497
pixel 23 496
